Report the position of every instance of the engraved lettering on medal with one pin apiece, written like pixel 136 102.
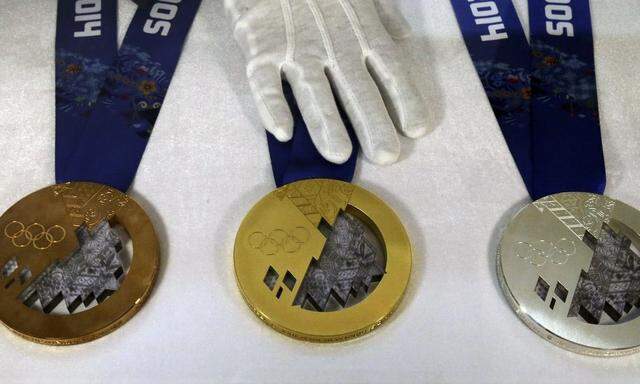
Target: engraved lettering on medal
pixel 88 13
pixel 160 17
pixel 90 203
pixel 487 13
pixel 538 253
pixel 559 15
pixel 341 267
pixel 590 303
pixel 48 266
pixel 35 234
pixel 318 199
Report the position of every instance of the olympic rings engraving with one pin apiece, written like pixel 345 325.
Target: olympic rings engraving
pixel 279 240
pixel 35 234
pixel 541 251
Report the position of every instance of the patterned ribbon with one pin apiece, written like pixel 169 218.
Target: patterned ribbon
pixel 544 94
pixel 108 99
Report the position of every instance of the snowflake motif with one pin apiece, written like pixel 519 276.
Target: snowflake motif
pixel 78 82
pixel 508 89
pixel 135 87
pixel 565 79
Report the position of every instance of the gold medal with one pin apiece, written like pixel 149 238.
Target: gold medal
pixel 569 265
pixel 60 253
pixel 322 260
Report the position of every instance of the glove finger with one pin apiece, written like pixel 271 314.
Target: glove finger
pixel 320 112
pixel 235 9
pixel 393 20
pixel 364 105
pixel 266 85
pixel 405 105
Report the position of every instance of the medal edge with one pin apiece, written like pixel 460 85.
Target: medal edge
pixel 538 329
pixel 119 322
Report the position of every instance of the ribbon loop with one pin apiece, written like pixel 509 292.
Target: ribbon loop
pixel 544 95
pixel 107 100
pixel 298 159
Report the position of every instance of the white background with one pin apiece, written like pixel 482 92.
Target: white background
pixel 207 164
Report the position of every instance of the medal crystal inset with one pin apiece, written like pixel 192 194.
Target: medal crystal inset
pixel 322 260
pixel 58 245
pixel 569 264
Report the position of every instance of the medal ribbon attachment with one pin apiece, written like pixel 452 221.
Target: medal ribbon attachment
pixel 319 244
pixel 108 99
pixel 298 159
pixel 63 242
pixel 543 94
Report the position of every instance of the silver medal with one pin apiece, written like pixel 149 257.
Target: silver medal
pixel 569 264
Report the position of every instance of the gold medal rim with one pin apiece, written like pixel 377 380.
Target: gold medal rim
pixel 108 316
pixel 530 321
pixel 366 315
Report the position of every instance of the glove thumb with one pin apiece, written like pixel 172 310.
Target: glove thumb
pixel 393 20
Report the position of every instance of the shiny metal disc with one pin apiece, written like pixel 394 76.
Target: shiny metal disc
pixel 322 260
pixel 569 264
pixel 64 278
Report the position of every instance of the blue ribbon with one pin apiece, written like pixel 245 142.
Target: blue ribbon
pixel 544 94
pixel 298 159
pixel 82 63
pixel 107 100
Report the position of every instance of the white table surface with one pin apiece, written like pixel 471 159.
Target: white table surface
pixel 207 164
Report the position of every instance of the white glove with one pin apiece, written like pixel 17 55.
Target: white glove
pixel 319 44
